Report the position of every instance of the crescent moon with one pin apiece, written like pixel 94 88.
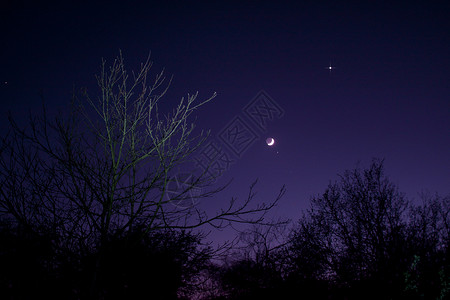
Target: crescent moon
pixel 270 141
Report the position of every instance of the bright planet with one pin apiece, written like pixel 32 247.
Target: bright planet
pixel 270 141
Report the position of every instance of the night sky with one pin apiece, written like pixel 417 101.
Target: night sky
pixel 387 95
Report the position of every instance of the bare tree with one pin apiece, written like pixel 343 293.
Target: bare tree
pixel 430 222
pixel 108 164
pixel 105 167
pixel 354 234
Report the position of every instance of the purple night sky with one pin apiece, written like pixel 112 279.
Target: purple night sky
pixel 387 96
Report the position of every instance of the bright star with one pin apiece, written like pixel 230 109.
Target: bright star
pixel 330 68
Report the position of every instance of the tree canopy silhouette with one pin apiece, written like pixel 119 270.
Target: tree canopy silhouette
pixel 360 236
pixel 360 239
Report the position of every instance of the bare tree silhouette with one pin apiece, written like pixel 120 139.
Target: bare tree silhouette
pixel 104 168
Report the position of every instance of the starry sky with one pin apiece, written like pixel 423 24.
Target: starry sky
pixel 387 94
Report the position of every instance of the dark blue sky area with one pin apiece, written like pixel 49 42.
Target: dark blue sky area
pixel 388 96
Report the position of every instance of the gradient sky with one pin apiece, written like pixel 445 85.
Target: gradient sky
pixel 388 96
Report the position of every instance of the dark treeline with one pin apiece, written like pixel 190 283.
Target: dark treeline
pixel 132 266
pixel 360 239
